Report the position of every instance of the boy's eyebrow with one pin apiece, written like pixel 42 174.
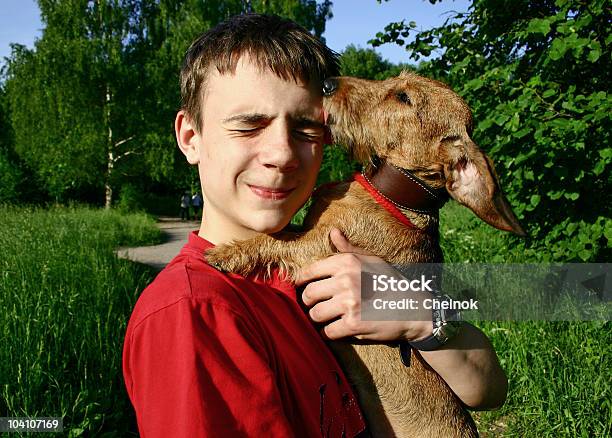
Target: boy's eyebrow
pixel 309 122
pixel 255 118
pixel 251 118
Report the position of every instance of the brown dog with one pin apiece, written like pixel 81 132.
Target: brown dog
pixel 413 135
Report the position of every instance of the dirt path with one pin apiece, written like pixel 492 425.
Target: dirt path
pixel 175 234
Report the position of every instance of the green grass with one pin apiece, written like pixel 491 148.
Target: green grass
pixel 66 300
pixel 559 372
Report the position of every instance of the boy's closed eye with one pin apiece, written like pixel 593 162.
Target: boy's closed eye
pixel 245 131
pixel 303 128
pixel 246 124
pixel 308 134
pixel 308 129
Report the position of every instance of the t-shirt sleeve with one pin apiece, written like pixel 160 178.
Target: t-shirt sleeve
pixel 196 369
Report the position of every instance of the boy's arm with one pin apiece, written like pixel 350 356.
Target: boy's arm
pixel 467 363
pixel 194 370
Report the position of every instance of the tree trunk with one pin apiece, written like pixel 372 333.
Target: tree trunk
pixel 110 155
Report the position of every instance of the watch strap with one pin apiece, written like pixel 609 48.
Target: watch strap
pixel 445 327
pixel 405 351
pixel 429 343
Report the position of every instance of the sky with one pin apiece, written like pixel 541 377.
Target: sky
pixel 357 21
pixel 354 22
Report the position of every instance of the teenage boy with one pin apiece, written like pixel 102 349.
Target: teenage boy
pixel 212 354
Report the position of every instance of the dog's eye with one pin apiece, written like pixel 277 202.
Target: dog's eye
pixel 403 97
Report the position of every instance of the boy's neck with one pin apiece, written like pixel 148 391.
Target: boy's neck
pixel 219 234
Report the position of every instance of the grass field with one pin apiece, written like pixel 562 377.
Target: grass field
pixel 66 300
pixel 559 372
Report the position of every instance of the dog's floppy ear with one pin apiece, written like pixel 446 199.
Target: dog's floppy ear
pixel 471 180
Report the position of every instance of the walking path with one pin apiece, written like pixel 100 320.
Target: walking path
pixel 174 232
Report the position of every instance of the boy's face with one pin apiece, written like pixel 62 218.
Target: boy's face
pixel 259 151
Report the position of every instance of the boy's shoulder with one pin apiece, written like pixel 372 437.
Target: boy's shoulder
pixel 187 278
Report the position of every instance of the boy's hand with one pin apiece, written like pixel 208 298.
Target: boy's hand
pixel 336 296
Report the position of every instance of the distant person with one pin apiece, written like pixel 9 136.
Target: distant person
pixel 196 203
pixel 185 203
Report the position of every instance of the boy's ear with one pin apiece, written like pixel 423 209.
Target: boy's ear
pixel 187 137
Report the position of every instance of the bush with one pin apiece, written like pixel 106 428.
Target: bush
pixel 10 180
pixel 130 199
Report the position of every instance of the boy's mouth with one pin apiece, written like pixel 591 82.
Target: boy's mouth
pixel 270 192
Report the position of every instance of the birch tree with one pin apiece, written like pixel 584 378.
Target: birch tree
pixel 92 105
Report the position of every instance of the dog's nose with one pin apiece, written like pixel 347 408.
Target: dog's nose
pixel 330 85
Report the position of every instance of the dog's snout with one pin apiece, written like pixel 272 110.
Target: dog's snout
pixel 330 85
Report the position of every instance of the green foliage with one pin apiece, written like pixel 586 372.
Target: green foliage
pixel 101 89
pixel 308 13
pixel 556 384
pixel 10 179
pixel 466 238
pixel 73 83
pixel 10 175
pixel 336 166
pixel 367 64
pixel 66 302
pixel 536 74
pixel 556 387
pixel 17 183
pixel 130 199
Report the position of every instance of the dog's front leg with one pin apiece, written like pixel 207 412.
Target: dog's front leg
pixel 285 250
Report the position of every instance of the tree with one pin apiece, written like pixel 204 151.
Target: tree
pixel 536 74
pixel 101 88
pixel 367 64
pixel 10 175
pixel 72 130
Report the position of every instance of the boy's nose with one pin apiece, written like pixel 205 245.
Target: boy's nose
pixel 280 153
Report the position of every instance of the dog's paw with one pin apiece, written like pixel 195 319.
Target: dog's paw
pixel 218 258
pixel 288 270
pixel 226 258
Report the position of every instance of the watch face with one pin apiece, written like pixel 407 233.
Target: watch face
pixel 447 331
pixel 449 314
pixel 446 322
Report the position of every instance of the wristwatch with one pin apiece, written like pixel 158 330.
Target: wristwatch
pixel 446 325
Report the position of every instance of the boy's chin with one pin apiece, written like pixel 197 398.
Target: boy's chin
pixel 270 225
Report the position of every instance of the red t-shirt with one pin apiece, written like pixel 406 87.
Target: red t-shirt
pixel 209 354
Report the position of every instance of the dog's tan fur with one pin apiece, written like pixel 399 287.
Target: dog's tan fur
pixel 430 135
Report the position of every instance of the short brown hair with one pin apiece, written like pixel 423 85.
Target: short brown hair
pixel 274 43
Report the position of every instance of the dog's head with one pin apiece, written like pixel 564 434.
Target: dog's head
pixel 422 125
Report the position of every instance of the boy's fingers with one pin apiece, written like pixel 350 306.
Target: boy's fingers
pixel 334 330
pixel 343 245
pixel 338 330
pixel 319 269
pixel 317 291
pixel 325 311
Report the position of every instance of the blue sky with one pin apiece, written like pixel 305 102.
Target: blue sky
pixel 357 21
pixel 354 22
